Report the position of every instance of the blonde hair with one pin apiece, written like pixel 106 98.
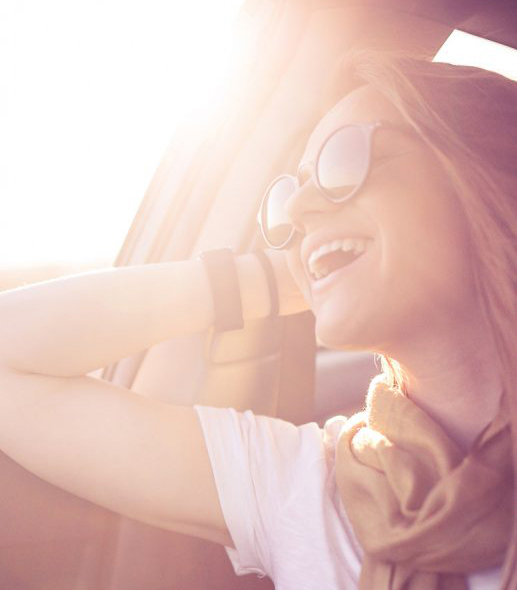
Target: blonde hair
pixel 468 117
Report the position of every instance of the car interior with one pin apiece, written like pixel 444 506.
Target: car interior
pixel 205 194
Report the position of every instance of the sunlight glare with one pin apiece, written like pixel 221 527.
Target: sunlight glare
pixel 91 94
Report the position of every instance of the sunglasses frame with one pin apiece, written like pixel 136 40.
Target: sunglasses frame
pixel 368 129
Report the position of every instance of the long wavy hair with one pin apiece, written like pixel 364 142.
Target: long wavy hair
pixel 468 117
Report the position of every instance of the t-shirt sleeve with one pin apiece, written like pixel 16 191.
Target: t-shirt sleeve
pixel 260 466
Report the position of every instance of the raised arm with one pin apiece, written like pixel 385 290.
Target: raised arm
pixel 73 325
pixel 134 455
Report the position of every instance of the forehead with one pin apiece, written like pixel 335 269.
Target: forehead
pixel 363 105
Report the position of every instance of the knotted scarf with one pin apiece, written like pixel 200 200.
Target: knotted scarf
pixel 425 512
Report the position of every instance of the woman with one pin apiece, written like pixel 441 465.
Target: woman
pixel 401 236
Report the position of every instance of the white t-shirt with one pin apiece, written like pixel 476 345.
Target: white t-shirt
pixel 280 502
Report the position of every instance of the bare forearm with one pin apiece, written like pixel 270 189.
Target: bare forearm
pixel 73 325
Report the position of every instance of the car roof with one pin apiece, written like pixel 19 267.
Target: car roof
pixel 495 20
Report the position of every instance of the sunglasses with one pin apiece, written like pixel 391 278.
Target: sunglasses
pixel 338 172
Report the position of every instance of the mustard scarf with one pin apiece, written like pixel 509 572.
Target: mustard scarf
pixel 425 512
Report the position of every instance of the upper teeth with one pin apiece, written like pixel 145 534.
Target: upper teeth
pixel 355 245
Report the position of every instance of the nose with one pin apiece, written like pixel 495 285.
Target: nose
pixel 307 204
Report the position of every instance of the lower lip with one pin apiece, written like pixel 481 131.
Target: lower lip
pixel 321 285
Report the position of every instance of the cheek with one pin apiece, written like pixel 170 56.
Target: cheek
pixel 447 269
pixel 426 250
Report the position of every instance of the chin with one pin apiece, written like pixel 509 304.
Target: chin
pixel 346 322
pixel 342 335
pixel 370 330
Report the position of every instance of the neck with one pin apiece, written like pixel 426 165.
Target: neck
pixel 455 380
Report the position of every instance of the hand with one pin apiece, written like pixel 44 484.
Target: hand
pixel 291 299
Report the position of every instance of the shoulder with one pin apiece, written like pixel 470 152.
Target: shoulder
pixel 269 442
pixel 277 490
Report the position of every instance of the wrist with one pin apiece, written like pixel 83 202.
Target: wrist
pixel 224 281
pixel 254 287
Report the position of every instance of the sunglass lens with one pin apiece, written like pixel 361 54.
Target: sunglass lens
pixel 275 222
pixel 343 161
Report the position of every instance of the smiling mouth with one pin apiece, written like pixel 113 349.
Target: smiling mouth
pixel 334 256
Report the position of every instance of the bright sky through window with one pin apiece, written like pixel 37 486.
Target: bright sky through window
pixel 468 50
pixel 90 93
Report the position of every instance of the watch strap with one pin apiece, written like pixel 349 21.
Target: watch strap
pixel 224 282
